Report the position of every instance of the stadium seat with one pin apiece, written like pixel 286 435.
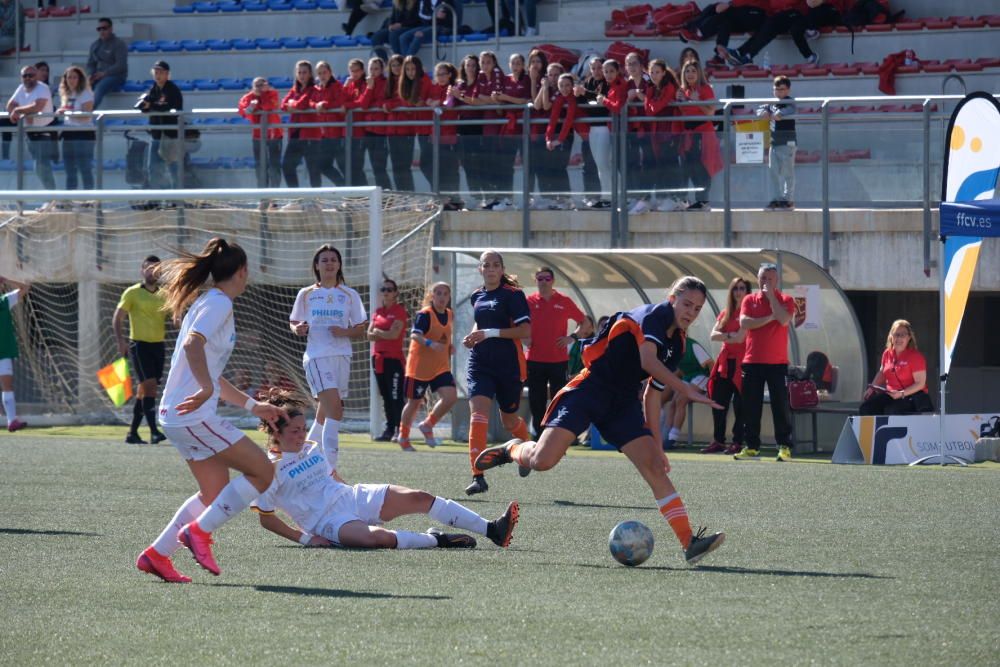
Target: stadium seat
pixel 193 45
pixel 344 40
pixel 205 7
pixel 724 74
pixel 910 25
pixel 231 84
pixel 238 120
pixel 805 157
pixel 816 70
pixel 868 68
pixel 184 84
pixel 218 44
pixel 319 42
pixel 908 69
pixel 61 12
pixel 254 7
pixel 206 84
pixel 992 20
pixel 281 82
pixel 479 36
pixel 279 6
pixel 134 87
pixel 968 21
pixel 267 43
pixel 935 66
pixel 327 4
pixel 244 44
pixel 968 66
pixel 363 40
pixel 754 73
pixel 844 69
pixel 304 5
pixel 939 24
pixel 184 9
pixel 143 46
pixel 230 6
pixel 168 45
pixel 616 30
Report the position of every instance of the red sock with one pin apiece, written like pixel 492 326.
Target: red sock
pixel 673 510
pixel 404 431
pixel 478 426
pixel 431 420
pixel 520 453
pixel 520 431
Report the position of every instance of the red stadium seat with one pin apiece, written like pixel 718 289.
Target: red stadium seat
pixel 868 67
pixel 968 21
pixel 859 154
pixel 836 157
pixel 988 62
pixel 908 69
pixel 644 31
pixel 805 157
pixel 968 66
pixel 891 108
pixel 939 24
pixel 815 70
pixel 755 73
pixel 785 70
pixel 992 20
pixel 878 27
pixel 844 69
pixel 935 66
pixel 860 109
pixel 616 30
pixel 725 74
pixel 910 25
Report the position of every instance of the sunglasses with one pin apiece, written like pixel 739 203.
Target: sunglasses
pixel 386 289
pixel 543 279
pixel 27 76
pixel 102 28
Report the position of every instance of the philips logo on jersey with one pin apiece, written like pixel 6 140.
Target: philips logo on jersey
pixel 304 466
pixel 327 312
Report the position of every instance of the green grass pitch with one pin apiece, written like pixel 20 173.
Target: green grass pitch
pixel 823 564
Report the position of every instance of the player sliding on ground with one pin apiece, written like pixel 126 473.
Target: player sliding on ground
pixel 647 342
pixel 332 513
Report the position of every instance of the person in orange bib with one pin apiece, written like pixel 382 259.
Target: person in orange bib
pixel 428 365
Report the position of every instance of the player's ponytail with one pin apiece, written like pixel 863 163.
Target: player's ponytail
pixel 183 277
pixel 685 283
pixel 293 404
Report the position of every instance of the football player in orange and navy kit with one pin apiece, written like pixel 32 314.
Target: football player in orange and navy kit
pixel 428 365
pixel 496 365
pixel 633 347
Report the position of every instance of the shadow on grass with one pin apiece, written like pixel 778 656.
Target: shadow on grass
pixel 31 531
pixel 732 569
pixel 331 592
pixel 570 503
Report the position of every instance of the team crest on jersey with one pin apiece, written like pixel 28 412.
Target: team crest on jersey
pixel 491 304
pixel 559 416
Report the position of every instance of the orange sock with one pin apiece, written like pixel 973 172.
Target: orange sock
pixel 520 453
pixel 520 431
pixel 478 426
pixel 404 431
pixel 430 421
pixel 673 510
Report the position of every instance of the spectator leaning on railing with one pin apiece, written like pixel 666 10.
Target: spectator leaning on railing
pixel 107 63
pixel 30 99
pixel 75 95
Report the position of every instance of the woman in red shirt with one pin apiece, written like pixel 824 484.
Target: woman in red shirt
pixel 900 386
pixel 386 331
pixel 638 161
pixel 663 165
pixel 516 90
pixel 299 102
pixel 439 97
pixel 374 139
pixel 328 154
pixel 491 81
pixel 260 101
pixel 559 138
pixel 354 88
pixel 699 149
pixel 414 91
pixel 725 381
pixel 464 92
pixel 399 138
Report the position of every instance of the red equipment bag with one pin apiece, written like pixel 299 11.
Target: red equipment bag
pixel 632 15
pixel 673 17
pixel 802 394
pixel 568 58
pixel 619 50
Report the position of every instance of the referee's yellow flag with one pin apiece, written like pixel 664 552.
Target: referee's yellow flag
pixel 116 381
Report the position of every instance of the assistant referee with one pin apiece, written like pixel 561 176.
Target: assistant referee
pixel 143 303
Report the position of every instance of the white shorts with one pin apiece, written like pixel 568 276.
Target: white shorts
pixel 6 366
pixel 328 373
pixel 699 382
pixel 203 440
pixel 363 504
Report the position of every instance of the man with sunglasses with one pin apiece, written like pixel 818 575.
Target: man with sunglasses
pixel 107 64
pixel 548 353
pixel 30 99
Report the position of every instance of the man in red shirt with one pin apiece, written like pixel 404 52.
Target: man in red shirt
pixel 765 316
pixel 548 354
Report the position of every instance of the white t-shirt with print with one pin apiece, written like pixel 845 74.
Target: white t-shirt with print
pixel 323 308
pixel 23 97
pixel 211 316
pixel 302 488
pixel 75 102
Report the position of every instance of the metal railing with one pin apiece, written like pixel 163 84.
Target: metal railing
pixel 108 124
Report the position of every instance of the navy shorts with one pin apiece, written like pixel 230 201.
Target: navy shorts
pixel 506 389
pixel 413 388
pixel 619 417
pixel 147 360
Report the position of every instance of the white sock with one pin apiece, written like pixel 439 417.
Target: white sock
pixel 455 514
pixel 406 539
pixel 234 498
pixel 166 544
pixel 675 434
pixel 9 406
pixel 331 441
pixel 315 431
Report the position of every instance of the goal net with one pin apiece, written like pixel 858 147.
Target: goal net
pixel 80 254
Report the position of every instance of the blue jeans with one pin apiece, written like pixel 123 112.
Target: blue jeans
pixel 78 158
pixel 109 84
pixel 411 40
pixel 43 150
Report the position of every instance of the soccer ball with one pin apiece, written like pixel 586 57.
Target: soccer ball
pixel 631 543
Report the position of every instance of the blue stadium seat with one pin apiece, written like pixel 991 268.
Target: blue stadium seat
pixel 143 46
pixel 244 44
pixel 226 162
pixel 344 40
pixel 238 120
pixel 205 7
pixel 304 5
pixel 293 42
pixel 281 82
pixel 255 6
pixel 319 42
pixel 184 9
pixel 206 84
pixel 363 40
pixel 267 43
pixel 279 5
pixel 203 162
pixel 248 82
pixel 478 37
pixel 231 84
pixel 8 165
pixel 168 45
pixel 193 45
pixel 327 4
pixel 184 84
pixel 114 122
pixel 213 121
pixel 134 87
pixel 218 44
pixel 230 6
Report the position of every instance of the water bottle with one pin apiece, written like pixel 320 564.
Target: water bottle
pixel 767 61
pixel 909 57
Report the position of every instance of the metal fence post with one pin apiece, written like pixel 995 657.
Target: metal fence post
pixel 927 185
pixel 727 173
pixel 348 138
pixel 613 195
pixel 263 161
pixel 182 137
pixel 621 149
pixel 436 153
pixel 826 184
pixel 526 175
pixel 99 155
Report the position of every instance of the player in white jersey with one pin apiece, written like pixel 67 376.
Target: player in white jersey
pixel 210 445
pixel 329 314
pixel 332 513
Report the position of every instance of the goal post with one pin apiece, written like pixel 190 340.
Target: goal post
pixel 81 249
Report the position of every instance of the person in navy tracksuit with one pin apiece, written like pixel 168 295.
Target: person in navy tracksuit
pixel 496 364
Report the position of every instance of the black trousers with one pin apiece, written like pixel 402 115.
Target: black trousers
pixel 779 24
pixel 737 19
pixel 694 169
pixel 557 164
pixel 545 379
pixel 724 391
pixel 591 182
pixel 378 155
pixel 390 388
pixel 663 169
pixel 295 152
pixel 267 155
pixel 882 404
pixel 401 154
pixel 755 376
pixel 357 175
pixel 448 169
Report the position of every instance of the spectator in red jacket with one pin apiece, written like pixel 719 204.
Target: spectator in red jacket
pixel 638 150
pixel 299 102
pixel 396 135
pixel 559 136
pixel 470 137
pixel 329 153
pixel 254 106
pixel 664 163
pixel 414 91
pixel 374 138
pixel 439 97
pixel 699 147
pixel 516 90
pixel 541 167
pixel 354 88
pixel 491 80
